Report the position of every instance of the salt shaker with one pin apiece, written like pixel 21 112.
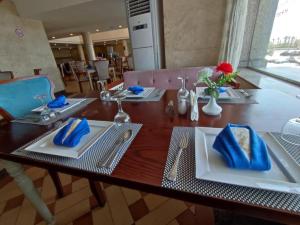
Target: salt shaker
pixel 182 97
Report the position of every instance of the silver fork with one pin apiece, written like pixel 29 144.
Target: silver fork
pixel 182 145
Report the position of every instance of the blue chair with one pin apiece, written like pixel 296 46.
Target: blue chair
pixel 17 96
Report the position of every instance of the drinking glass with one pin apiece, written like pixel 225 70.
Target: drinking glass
pixel 45 113
pixel 121 117
pixel 290 132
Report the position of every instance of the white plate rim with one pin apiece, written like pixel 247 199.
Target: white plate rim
pixel 84 148
pixel 141 95
pixel 260 183
pixel 65 108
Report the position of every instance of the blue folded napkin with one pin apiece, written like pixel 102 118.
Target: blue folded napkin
pixel 71 134
pixel 222 89
pixel 136 89
pixel 59 102
pixel 233 154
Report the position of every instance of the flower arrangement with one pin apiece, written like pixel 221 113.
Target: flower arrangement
pixel 225 74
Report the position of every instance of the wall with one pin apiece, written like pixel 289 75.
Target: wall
pixel 22 54
pixel 193 32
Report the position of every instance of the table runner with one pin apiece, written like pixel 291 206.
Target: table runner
pixel 59 116
pixel 241 100
pixel 186 180
pixel 96 152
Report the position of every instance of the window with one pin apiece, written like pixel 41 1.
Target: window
pixel 282 58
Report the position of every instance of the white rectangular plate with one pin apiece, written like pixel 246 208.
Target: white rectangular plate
pixel 228 94
pixel 284 175
pixel 45 145
pixel 144 94
pixel 72 102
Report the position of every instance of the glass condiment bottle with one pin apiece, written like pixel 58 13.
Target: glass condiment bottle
pixel 182 97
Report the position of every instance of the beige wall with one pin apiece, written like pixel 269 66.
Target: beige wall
pixel 193 32
pixel 22 55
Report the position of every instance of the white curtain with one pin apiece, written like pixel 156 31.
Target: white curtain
pixel 233 32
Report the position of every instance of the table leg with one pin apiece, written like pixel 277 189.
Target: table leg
pixel 98 192
pixel 90 80
pixel 15 170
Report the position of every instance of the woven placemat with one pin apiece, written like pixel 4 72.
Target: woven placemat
pixel 97 152
pixel 155 96
pixel 187 182
pixel 59 116
pixel 292 150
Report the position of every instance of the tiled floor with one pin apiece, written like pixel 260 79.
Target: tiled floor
pixel 124 206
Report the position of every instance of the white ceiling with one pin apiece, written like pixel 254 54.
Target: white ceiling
pixel 62 17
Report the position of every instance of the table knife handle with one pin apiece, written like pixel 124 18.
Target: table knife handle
pixel 109 160
pixel 173 172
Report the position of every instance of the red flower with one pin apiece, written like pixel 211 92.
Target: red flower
pixel 225 68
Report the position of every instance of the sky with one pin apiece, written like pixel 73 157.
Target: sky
pixel 287 19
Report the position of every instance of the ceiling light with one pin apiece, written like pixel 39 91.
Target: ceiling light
pixel 55 44
pixel 120 26
pixel 53 37
pixel 71 34
pixel 97 30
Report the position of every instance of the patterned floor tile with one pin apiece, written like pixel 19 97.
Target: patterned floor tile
pixel 124 206
pixel 118 206
pixel 102 215
pixel 84 220
pixel 131 195
pixel 27 214
pixel 10 217
pixel 72 199
pixel 2 206
pixel 79 184
pixel 138 209
pixel 13 203
pixel 164 214
pixel 76 211
pixel 153 201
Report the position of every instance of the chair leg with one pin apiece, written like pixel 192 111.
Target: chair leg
pixel 98 192
pixel 57 183
pixel 80 87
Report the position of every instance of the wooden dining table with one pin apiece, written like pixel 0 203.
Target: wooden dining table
pixel 143 164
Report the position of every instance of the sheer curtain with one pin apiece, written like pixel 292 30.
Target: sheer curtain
pixel 233 33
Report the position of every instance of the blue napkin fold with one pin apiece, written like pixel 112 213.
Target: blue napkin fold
pixel 59 102
pixel 74 137
pixel 222 89
pixel 235 157
pixel 136 89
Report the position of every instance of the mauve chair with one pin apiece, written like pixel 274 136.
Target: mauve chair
pixel 163 79
pixel 17 98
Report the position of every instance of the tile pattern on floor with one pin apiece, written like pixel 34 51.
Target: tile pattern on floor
pixel 79 207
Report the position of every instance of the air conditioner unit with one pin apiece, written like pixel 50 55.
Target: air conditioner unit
pixel 145 30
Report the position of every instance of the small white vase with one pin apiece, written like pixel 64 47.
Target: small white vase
pixel 212 108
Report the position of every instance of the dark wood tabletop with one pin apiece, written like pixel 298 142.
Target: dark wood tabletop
pixel 143 164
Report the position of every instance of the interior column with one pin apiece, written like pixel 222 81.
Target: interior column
pixel 81 53
pixel 88 43
pixel 125 45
